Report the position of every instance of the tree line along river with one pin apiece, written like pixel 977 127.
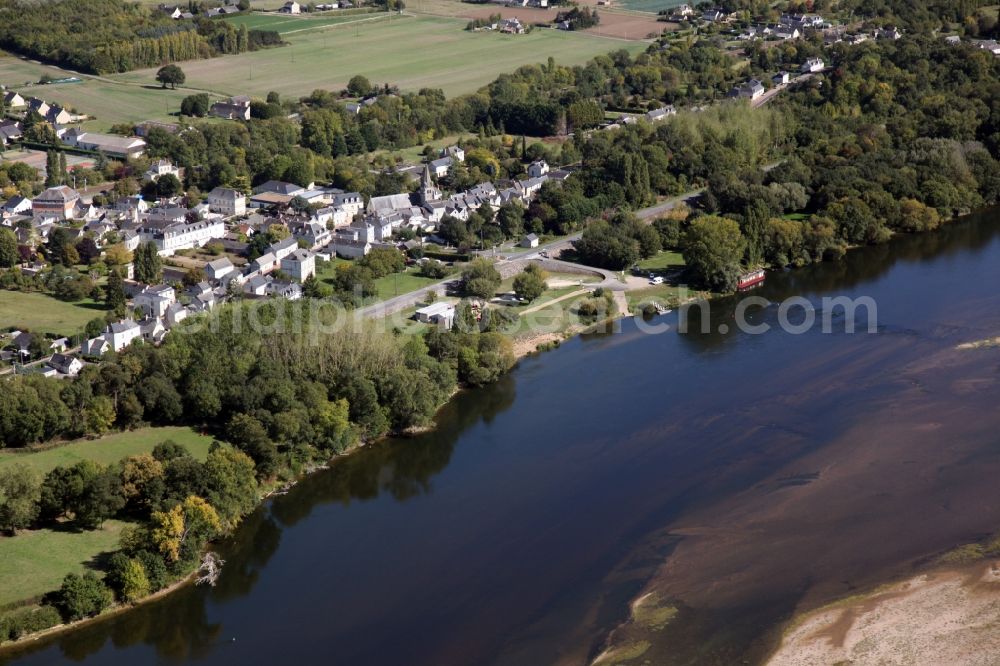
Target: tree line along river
pixel 741 477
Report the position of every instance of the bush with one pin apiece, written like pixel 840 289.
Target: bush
pixel 82 596
pixel 26 621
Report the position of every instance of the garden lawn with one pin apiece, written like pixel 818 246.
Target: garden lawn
pixel 109 449
pixel 663 261
pixel 401 283
pixel 36 561
pixel 42 313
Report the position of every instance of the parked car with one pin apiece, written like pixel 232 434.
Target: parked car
pixel 655 279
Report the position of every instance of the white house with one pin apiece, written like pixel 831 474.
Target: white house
pixel 538 169
pixel 66 365
pixel 284 247
pixel 352 202
pixel 781 78
pixel 154 301
pixel 441 166
pixel 218 269
pixel 813 65
pixel 752 89
pixel 531 240
pixel 227 201
pixel 161 168
pixel 299 265
pixel 121 334
pixel 291 8
pixel 453 151
pixel 153 330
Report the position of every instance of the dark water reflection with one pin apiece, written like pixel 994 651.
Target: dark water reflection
pixel 517 531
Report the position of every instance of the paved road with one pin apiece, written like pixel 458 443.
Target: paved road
pixel 775 91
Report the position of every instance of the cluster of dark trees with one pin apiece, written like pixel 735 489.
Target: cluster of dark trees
pixel 105 36
pixel 286 381
pixel 579 18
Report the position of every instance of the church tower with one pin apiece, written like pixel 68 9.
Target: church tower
pixel 428 191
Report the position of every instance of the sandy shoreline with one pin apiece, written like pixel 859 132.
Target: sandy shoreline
pixel 941 617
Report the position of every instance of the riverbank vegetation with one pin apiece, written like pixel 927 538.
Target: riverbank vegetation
pixel 278 390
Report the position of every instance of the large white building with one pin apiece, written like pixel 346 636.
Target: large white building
pixel 171 236
pixel 299 265
pixel 227 201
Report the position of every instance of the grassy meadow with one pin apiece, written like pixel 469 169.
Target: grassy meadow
pixel 36 561
pixel 42 313
pixel 411 52
pixel 109 449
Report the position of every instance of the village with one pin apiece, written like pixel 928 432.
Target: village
pixel 323 224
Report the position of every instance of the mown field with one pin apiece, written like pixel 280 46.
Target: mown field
pixel 36 561
pixel 110 102
pixel 284 23
pixel 411 52
pixel 42 313
pixel 110 449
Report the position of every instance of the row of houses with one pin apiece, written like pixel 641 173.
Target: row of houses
pixel 53 113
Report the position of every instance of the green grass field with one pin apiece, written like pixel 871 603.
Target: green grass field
pixel 42 313
pixel 110 449
pixel 411 52
pixel 662 261
pixel 284 23
pixel 36 561
pixel 108 101
pixel 324 52
pixel 401 283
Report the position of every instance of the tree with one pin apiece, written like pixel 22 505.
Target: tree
pixel 195 105
pixel 480 278
pixel 168 185
pixel 127 577
pixel 530 284
pixel 712 249
pixel 20 492
pixel 114 294
pixel 179 533
pixel 148 265
pixel 82 596
pixel 359 86
pixel 117 255
pixel 233 483
pixel 142 481
pixel 170 74
pixel 51 168
pixel 135 584
pixel 9 255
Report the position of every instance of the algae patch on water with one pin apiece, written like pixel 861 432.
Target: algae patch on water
pixel 647 612
pixel 623 653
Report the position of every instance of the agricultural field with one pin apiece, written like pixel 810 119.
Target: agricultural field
pixel 36 561
pixel 323 52
pixel 110 449
pixel 621 20
pixel 411 52
pixel 285 23
pixel 42 313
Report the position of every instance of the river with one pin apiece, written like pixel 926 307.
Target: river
pixel 741 476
